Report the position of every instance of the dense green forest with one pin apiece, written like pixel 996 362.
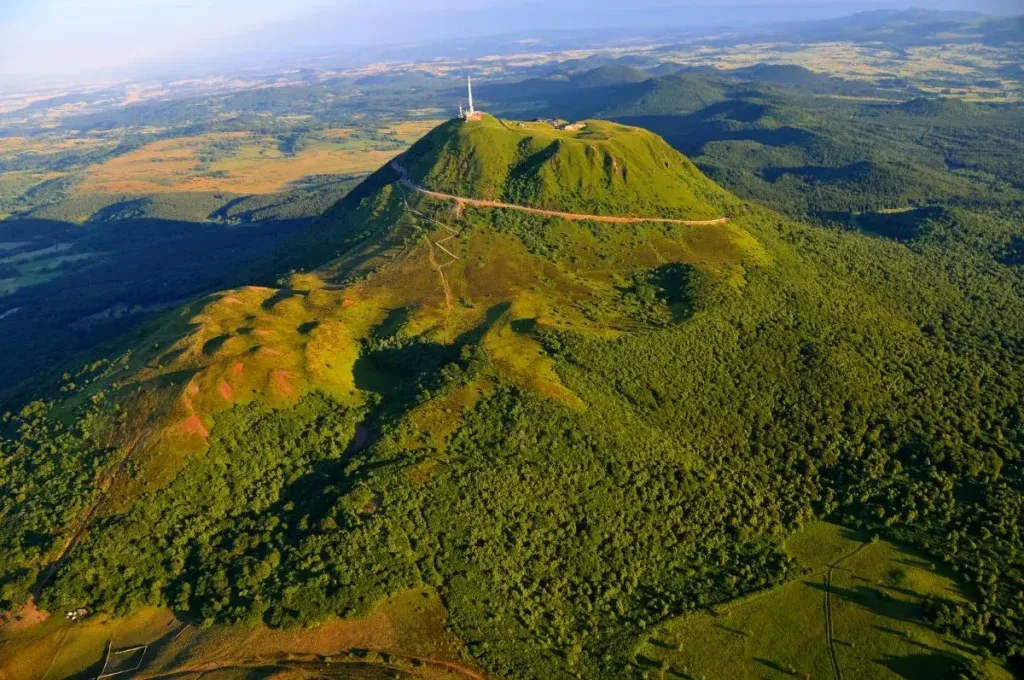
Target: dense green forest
pixel 878 385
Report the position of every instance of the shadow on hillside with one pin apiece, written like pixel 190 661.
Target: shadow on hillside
pixel 79 285
pixel 690 134
pixel 775 666
pixel 875 600
pixel 400 368
pixel 917 666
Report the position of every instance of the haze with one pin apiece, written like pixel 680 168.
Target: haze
pixel 52 40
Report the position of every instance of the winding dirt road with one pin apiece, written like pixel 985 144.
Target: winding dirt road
pixel 481 203
pixel 301 662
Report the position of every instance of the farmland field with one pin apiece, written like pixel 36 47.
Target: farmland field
pixel 235 162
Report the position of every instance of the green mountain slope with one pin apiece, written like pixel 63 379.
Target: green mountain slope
pixel 603 168
pixel 575 432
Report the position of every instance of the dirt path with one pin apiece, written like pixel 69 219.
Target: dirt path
pixel 79 525
pixel 444 281
pixel 829 635
pixel 439 244
pixel 481 203
pixel 296 662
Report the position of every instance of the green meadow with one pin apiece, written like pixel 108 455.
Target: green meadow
pixel 876 594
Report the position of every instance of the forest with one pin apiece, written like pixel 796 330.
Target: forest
pixel 858 378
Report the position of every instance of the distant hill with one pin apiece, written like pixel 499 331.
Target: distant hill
pixel 899 27
pixel 610 75
pixel 923 107
pixel 800 78
pixel 788 74
pixel 666 95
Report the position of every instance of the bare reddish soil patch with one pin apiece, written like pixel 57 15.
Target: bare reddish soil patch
pixel 225 390
pixel 280 379
pixel 26 617
pixel 194 425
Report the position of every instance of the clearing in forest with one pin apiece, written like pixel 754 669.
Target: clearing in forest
pixel 873 592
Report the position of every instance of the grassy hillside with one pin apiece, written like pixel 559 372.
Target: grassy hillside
pixel 576 433
pixel 603 168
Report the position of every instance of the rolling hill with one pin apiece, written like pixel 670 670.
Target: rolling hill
pixel 495 443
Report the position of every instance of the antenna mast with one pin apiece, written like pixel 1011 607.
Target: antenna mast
pixel 470 113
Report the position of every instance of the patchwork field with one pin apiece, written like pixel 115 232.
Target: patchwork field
pixel 230 162
pixel 410 130
pixel 963 71
pixel 12 147
pixel 855 614
pixel 235 162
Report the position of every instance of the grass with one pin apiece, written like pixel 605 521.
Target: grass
pixel 877 590
pixel 410 624
pixel 58 648
pixel 604 169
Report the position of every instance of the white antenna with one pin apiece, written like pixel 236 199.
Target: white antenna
pixel 469 86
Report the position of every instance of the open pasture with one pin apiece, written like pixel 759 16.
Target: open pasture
pixel 856 613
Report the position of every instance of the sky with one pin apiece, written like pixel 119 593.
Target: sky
pixel 46 40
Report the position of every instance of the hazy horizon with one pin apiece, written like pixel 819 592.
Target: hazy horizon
pixel 89 40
